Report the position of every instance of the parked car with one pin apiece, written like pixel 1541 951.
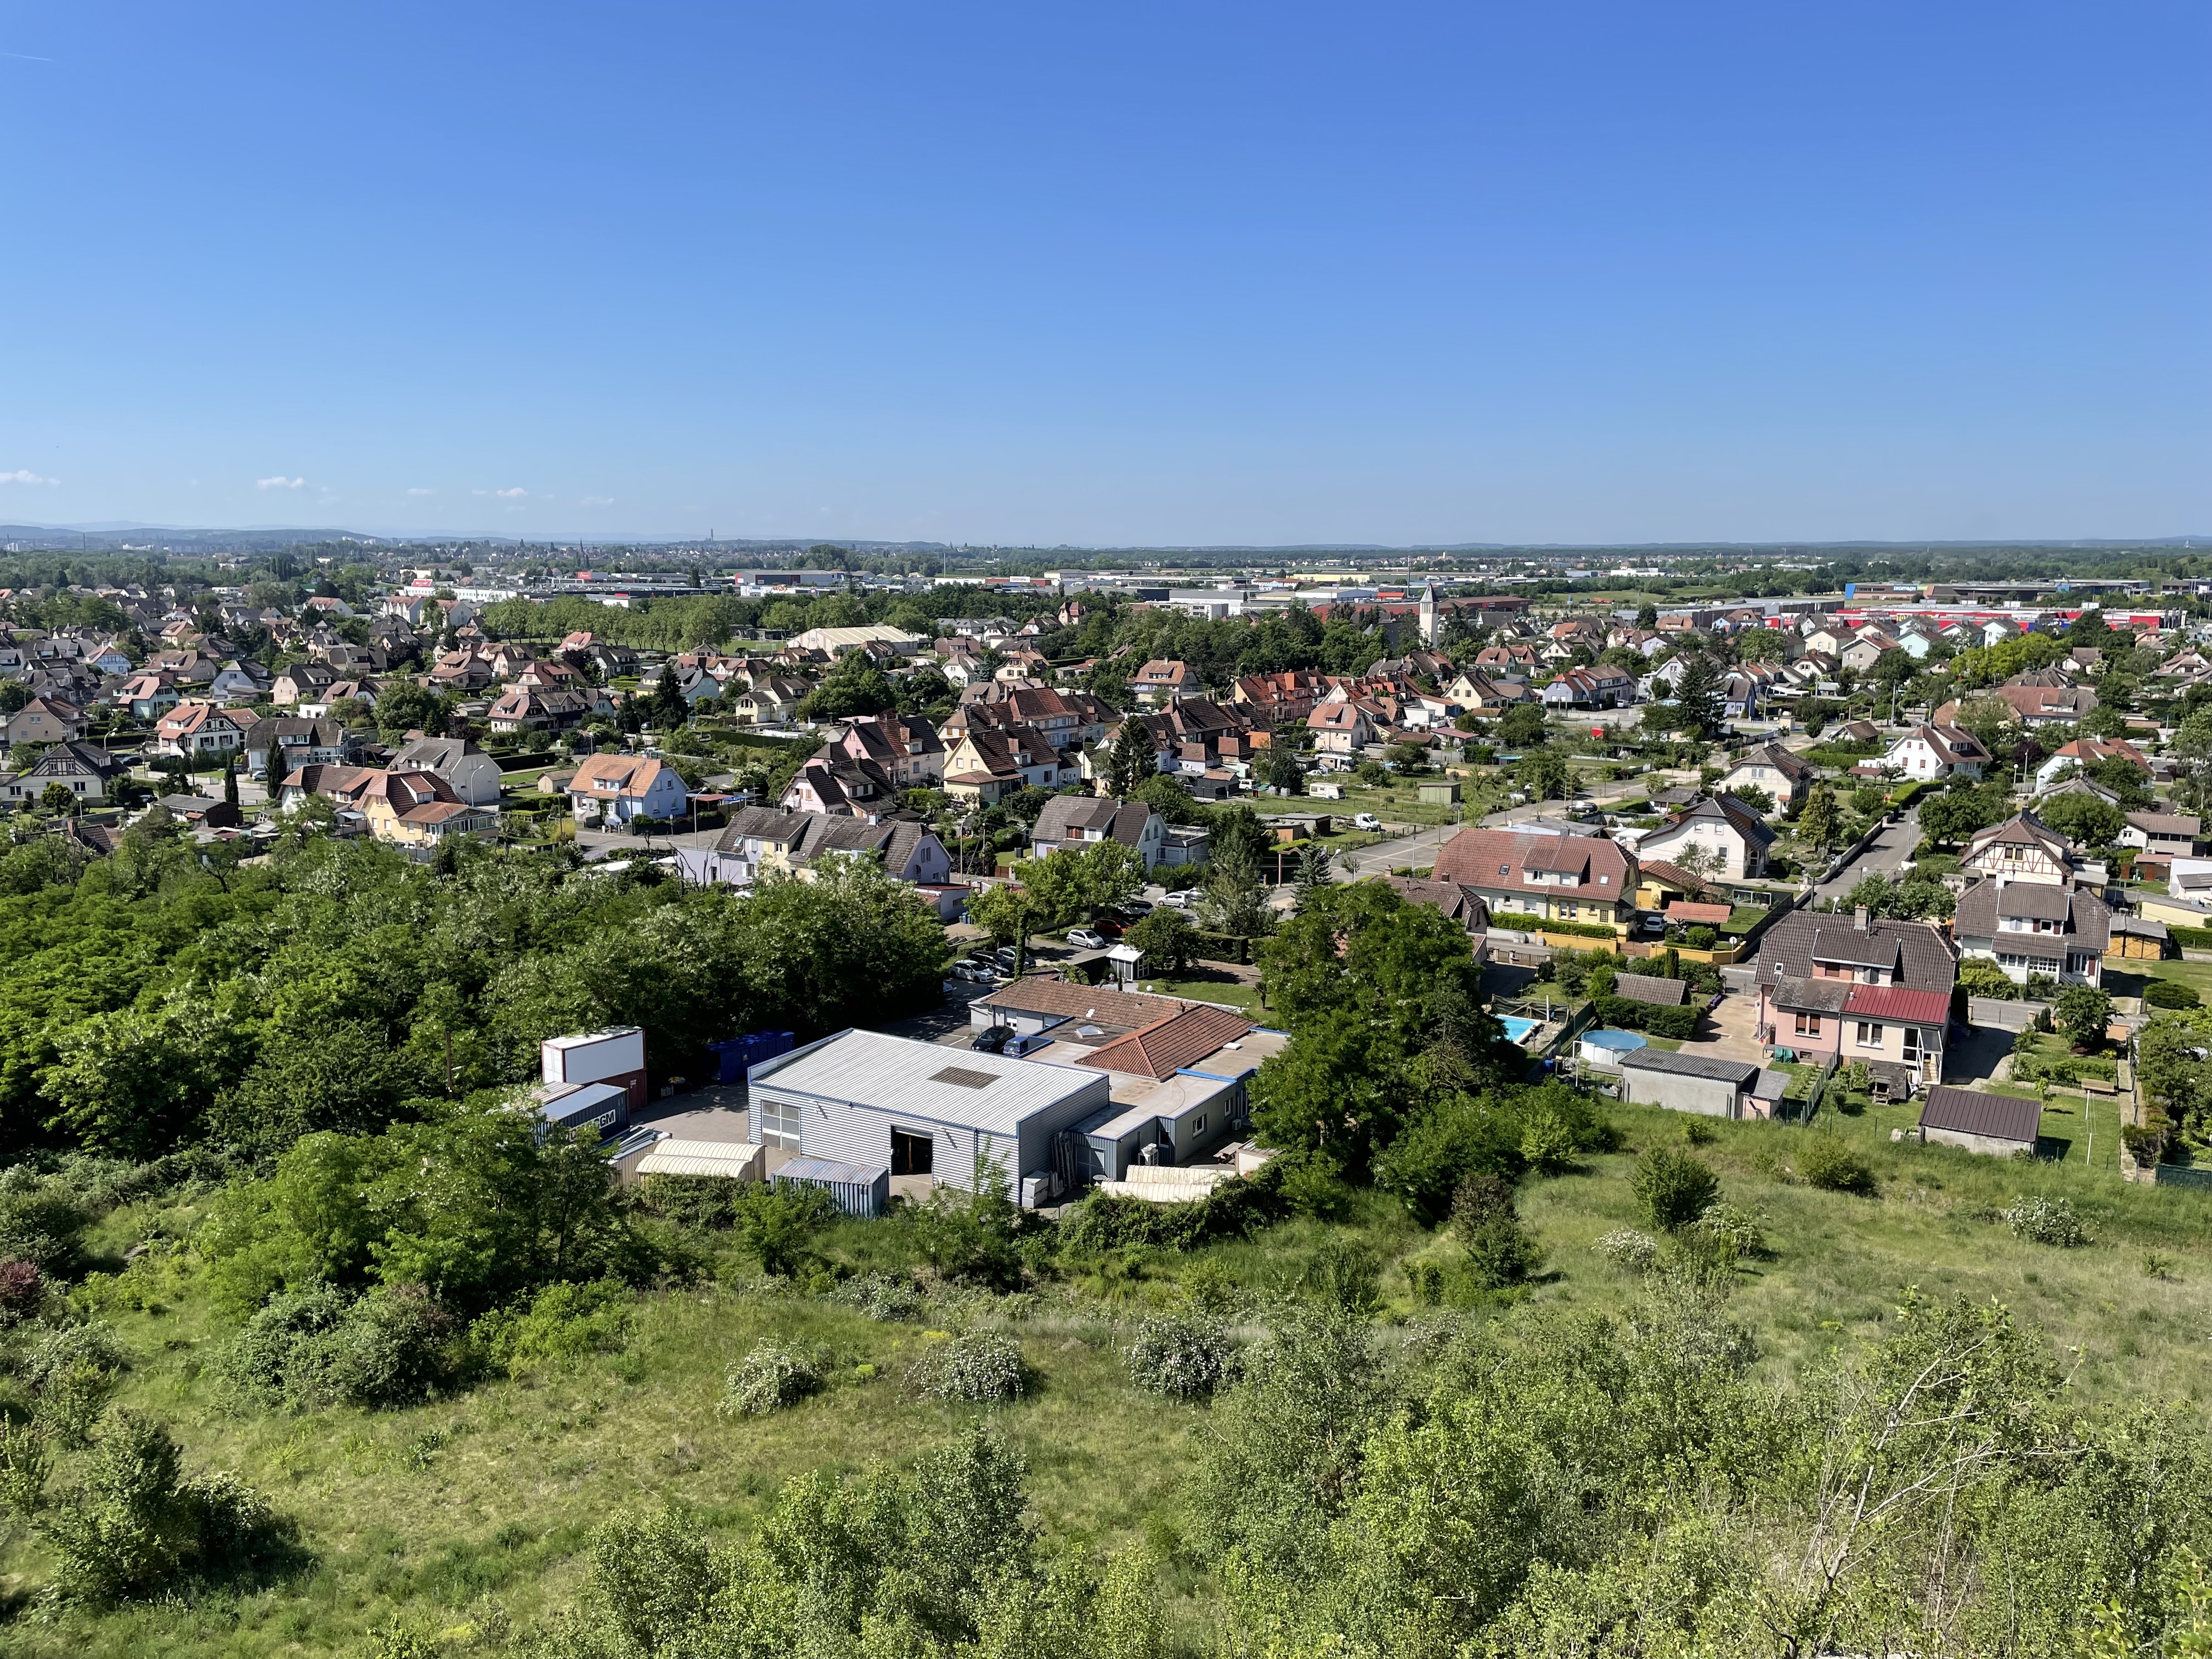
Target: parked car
pixel 974 973
pixel 1366 820
pixel 1005 958
pixel 1135 910
pixel 1086 938
pixel 1181 900
pixel 1027 1044
pixel 993 1040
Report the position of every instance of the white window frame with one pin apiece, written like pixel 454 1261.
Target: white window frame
pixel 1869 1034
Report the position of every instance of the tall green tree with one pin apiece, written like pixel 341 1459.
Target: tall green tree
pixel 1131 760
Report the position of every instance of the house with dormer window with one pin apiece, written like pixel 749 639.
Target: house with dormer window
pixel 1527 877
pixel 2034 905
pixel 1856 988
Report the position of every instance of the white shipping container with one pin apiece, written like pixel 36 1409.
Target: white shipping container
pixel 595 1056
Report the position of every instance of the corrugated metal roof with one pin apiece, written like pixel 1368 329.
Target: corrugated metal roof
pixel 898 1075
pixel 828 1169
pixel 1666 1060
pixel 1962 1111
pixel 735 1160
pixel 1899 1002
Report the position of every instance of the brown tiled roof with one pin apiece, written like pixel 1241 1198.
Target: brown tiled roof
pixel 1492 860
pixel 1037 993
pixel 1163 1048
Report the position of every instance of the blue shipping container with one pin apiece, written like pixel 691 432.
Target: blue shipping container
pixel 733 1055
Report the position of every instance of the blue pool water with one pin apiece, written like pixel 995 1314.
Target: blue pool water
pixel 1619 1042
pixel 1517 1028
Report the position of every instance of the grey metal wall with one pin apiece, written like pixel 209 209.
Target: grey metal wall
pixel 1707 1097
pixel 854 1133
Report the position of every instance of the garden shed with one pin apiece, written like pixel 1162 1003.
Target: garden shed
pixel 1686 1083
pixel 1996 1125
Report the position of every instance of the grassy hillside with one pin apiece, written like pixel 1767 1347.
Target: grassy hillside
pixel 467 1518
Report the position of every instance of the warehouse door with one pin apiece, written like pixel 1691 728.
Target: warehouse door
pixel 912 1153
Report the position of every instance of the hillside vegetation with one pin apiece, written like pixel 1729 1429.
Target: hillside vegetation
pixel 1471 1368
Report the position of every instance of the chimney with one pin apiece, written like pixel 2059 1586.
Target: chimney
pixel 1859 918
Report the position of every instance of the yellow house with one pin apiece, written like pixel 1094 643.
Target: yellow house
pixel 420 809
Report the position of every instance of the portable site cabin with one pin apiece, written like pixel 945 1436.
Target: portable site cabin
pixel 907 1108
pixel 615 1056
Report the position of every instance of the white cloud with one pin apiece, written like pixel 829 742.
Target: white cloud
pixel 279 482
pixel 596 501
pixel 510 495
pixel 422 492
pixel 26 476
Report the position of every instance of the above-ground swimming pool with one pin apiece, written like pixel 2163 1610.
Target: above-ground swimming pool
pixel 1517 1028
pixel 1604 1049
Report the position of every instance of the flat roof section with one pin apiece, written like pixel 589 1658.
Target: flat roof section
pixel 921 1079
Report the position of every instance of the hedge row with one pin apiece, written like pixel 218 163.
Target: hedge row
pixel 1572 929
pixel 2191 938
pixel 1629 1015
pixel 1221 947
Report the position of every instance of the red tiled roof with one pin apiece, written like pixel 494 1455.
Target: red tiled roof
pixel 1899 1002
pixel 1164 1047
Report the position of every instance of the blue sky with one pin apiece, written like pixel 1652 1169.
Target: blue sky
pixel 1142 273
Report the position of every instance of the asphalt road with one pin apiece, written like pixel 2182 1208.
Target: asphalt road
pixel 1890 849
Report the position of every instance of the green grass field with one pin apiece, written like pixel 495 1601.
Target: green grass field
pixel 467 1515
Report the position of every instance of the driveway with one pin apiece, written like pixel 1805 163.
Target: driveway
pixel 1729 1032
pixel 1973 1060
pixel 1888 850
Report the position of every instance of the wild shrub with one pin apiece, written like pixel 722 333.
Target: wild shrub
pixel 317 1346
pixel 1547 1142
pixel 1629 1249
pixel 391 1349
pixel 1183 1355
pixel 1825 1162
pixel 1500 1250
pixel 22 1289
pixel 1344 1275
pixel 982 1365
pixel 2051 1221
pixel 70 1373
pixel 561 1321
pixel 1674 1188
pixel 1737 1233
pixel 881 1296
pixel 2170 993
pixel 139 1524
pixel 772 1376
pixel 25 1463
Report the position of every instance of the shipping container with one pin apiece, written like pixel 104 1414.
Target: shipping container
pixel 601 1106
pixel 734 1056
pixel 610 1056
pixel 857 1188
